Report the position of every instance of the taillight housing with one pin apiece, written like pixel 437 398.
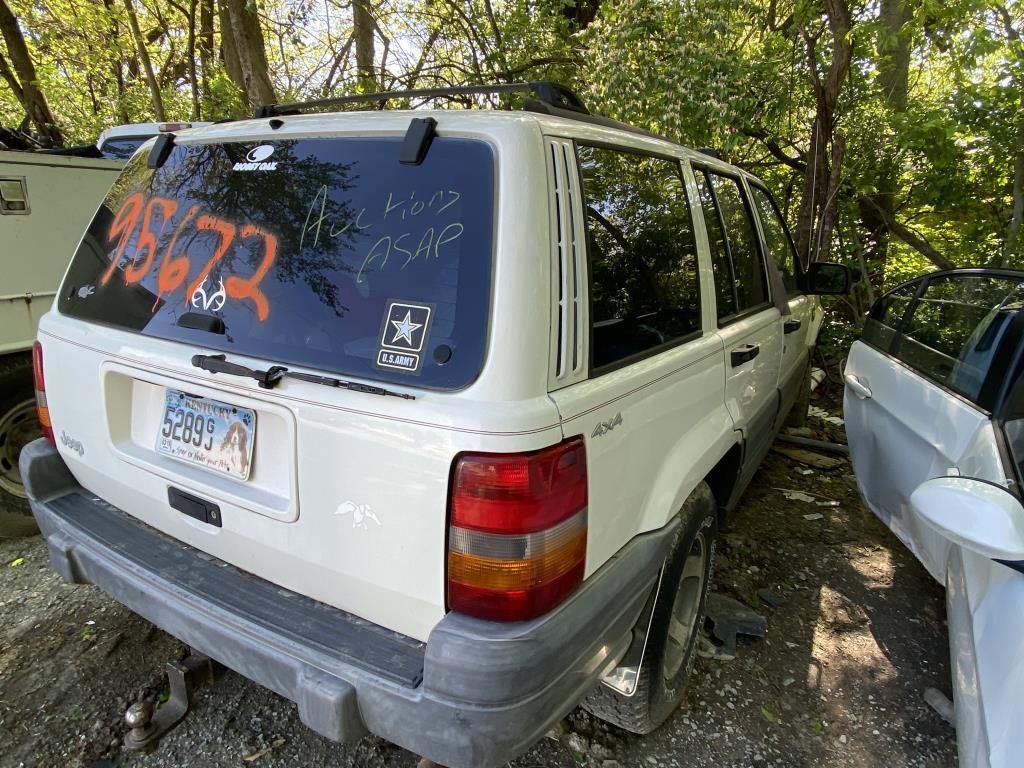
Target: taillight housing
pixel 517 540
pixel 42 411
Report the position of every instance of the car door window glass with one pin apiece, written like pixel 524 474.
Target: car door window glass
pixel 643 254
pixel 956 327
pixel 886 315
pixel 749 277
pixel 776 238
pixel 724 293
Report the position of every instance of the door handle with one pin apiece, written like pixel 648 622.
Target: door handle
pixel 740 355
pixel 790 326
pixel 859 389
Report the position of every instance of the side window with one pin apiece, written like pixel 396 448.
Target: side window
pixel 777 239
pixel 722 269
pixel 1012 418
pixel 956 327
pixel 886 314
pixel 643 256
pixel 749 277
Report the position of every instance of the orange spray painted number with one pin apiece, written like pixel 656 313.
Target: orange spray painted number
pixel 249 288
pixel 121 230
pixel 173 271
pixel 134 272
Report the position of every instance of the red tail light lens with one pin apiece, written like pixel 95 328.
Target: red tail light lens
pixel 518 537
pixel 42 411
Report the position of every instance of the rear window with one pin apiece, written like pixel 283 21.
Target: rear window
pixel 326 253
pixel 123 148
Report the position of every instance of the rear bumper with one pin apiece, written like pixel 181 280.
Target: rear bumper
pixel 477 693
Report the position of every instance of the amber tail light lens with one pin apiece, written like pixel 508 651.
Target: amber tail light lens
pixel 517 541
pixel 42 411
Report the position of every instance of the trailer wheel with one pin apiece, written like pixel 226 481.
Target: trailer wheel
pixel 18 426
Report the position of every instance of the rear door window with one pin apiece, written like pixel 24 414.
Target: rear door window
pixel 326 253
pixel 740 277
pixel 642 254
pixel 777 239
pixel 725 294
pixel 749 276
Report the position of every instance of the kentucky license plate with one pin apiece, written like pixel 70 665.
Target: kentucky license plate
pixel 207 432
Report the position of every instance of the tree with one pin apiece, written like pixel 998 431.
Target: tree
pixel 245 55
pixel 1015 77
pixel 24 81
pixel 147 64
pixel 823 171
pixel 363 29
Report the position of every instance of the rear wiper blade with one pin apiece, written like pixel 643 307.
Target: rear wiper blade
pixel 330 381
pixel 271 377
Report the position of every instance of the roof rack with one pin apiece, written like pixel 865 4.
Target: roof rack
pixel 547 93
pixel 534 105
pixel 549 99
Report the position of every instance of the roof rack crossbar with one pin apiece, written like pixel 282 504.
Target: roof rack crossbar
pixel 549 93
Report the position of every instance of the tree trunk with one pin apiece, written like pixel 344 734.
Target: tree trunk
pixel 147 64
pixel 893 45
pixel 1010 247
pixel 822 177
pixel 251 72
pixel 21 75
pixel 894 52
pixel 193 76
pixel 363 29
pixel 206 13
pixel 904 233
pixel 228 48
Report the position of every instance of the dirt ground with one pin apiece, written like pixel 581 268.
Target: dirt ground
pixel 838 681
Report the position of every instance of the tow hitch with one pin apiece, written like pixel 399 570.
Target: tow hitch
pixel 147 726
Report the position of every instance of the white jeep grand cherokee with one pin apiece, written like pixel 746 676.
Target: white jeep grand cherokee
pixel 424 420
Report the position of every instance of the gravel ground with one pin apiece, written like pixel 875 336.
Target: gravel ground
pixel 838 681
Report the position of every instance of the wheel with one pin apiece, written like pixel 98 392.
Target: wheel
pixel 18 426
pixel 675 624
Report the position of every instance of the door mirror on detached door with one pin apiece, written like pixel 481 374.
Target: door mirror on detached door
pixel 975 514
pixel 823 278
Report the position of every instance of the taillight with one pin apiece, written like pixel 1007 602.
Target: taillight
pixel 42 411
pixel 518 537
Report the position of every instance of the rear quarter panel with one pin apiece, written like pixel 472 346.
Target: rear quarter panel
pixel 673 429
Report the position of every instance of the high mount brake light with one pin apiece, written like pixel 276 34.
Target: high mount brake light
pixel 42 411
pixel 517 542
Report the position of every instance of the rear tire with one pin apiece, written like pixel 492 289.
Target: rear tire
pixel 18 425
pixel 679 611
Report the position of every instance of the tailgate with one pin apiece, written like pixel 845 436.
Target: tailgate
pixel 343 504
pixel 323 255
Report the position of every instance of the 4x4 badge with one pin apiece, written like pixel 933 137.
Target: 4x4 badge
pixel 604 427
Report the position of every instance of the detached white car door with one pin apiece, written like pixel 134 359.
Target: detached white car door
pixel 927 386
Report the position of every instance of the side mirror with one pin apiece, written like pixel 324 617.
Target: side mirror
pixel 979 516
pixel 824 278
